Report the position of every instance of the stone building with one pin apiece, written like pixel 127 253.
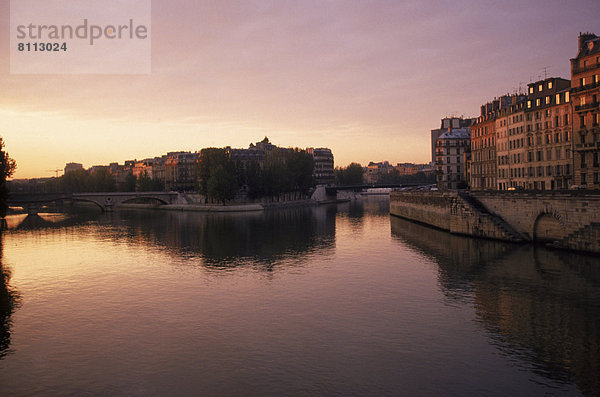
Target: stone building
pixel 548 135
pixel 484 166
pixel 375 171
pixel 323 173
pixel 447 123
pixel 70 167
pixel 450 164
pixel 510 144
pixel 585 95
pixel 181 171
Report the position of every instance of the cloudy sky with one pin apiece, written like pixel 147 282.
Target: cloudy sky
pixel 367 79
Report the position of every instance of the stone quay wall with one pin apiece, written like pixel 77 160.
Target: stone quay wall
pixel 569 220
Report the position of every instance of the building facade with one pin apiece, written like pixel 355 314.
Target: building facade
pixel 548 135
pixel 446 124
pixel 510 144
pixel 451 154
pixel 585 95
pixel 323 173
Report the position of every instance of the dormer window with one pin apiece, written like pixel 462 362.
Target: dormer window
pixel 549 85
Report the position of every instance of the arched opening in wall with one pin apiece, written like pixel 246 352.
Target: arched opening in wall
pixel 144 200
pixel 548 229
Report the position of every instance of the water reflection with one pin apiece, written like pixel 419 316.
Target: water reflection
pixel 8 301
pixel 225 240
pixel 537 305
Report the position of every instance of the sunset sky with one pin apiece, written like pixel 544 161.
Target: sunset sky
pixel 368 79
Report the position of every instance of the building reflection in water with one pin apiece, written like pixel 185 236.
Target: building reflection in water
pixel 541 306
pixel 8 302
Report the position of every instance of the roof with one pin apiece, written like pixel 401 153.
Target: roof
pixel 459 133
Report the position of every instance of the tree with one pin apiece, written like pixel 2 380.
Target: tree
pixel 222 184
pixel 350 175
pixel 129 184
pixel 144 183
pixel 7 169
pixel 102 181
pixel 217 176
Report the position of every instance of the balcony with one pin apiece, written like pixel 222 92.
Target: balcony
pixel 593 105
pixel 581 69
pixel 585 87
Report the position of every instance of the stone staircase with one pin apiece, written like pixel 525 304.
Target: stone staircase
pixel 586 239
pixel 472 207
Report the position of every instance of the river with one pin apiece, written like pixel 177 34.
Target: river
pixel 330 300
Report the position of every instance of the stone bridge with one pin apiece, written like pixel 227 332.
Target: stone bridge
pixel 106 201
pixel 568 219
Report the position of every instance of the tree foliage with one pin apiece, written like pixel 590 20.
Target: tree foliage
pixel 7 169
pixel 350 175
pixel 217 176
pixel 222 184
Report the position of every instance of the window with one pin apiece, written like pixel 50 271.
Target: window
pixel 582 81
pixel 596 78
pixel 540 87
pixel 558 99
pixel 548 100
pixel 567 97
pixel 581 121
pixel 582 100
pixel 583 178
pixel 528 105
pixel 531 89
pixel 566 119
pixel 595 119
pixel 537 102
pixel 595 159
pixel 549 85
pixel 583 163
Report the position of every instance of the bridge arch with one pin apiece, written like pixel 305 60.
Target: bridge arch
pixel 102 207
pixel 548 227
pixel 160 200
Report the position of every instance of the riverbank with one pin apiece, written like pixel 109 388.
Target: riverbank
pixel 249 207
pixel 567 220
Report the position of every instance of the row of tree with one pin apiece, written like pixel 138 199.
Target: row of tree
pixel 282 171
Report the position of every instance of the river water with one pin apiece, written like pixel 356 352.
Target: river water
pixel 331 300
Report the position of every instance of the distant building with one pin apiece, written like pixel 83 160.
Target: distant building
pixel 255 152
pixel 323 173
pixel 447 123
pixel 585 95
pixel 181 171
pixel 70 167
pixel 450 163
pixel 376 170
pixel 406 168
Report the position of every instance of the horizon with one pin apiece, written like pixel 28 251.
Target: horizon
pixel 369 81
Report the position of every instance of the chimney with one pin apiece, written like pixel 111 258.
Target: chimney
pixel 583 38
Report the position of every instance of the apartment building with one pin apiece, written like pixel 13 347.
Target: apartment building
pixel 585 95
pixel 510 143
pixel 548 135
pixel 450 165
